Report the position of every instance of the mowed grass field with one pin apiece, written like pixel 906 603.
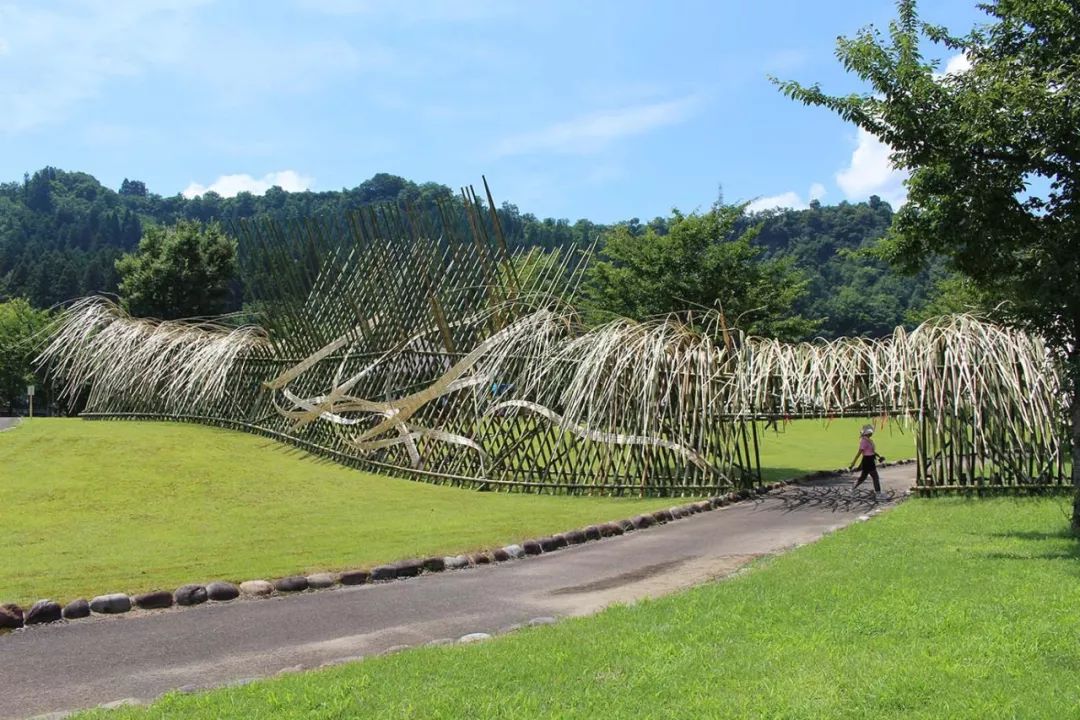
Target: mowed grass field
pixel 943 608
pixel 93 507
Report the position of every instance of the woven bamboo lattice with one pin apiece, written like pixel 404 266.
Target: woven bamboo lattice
pixel 418 343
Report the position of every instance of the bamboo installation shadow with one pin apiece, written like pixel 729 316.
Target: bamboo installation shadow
pixel 834 498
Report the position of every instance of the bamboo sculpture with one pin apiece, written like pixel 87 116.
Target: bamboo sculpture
pixel 424 347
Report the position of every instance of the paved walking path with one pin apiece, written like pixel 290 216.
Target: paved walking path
pixel 85 663
pixel 6 423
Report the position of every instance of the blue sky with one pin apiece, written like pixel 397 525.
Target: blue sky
pixel 604 110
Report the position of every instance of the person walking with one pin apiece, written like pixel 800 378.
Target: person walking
pixel 868 454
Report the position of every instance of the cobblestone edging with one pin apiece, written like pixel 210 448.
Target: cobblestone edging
pixel 47 611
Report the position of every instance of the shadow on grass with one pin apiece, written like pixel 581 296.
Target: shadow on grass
pixel 1036 538
pixel 1073 554
pixel 1061 534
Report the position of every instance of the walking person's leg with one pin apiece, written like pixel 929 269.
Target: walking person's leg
pixel 866 468
pixel 874 475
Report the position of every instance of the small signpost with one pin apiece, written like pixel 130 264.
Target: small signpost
pixel 30 395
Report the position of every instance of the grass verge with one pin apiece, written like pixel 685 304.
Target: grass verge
pixel 92 507
pixel 945 608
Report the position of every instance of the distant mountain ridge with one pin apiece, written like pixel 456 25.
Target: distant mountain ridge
pixel 61 233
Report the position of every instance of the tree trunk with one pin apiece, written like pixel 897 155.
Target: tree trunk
pixel 1074 437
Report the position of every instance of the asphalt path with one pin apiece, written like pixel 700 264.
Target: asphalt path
pixel 85 663
pixel 7 423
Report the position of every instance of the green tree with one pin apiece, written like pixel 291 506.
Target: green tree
pixel 179 272
pixel 21 331
pixel 953 294
pixel 993 156
pixel 702 261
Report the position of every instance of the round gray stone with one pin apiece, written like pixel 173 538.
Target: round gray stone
pixel 514 551
pixel 409 568
pixel 434 564
pixel 440 641
pixel 294 583
pixel 456 562
pixel 531 547
pixel 384 572
pixel 43 611
pixel 76 609
pixel 222 591
pixel 610 529
pixel 342 661
pixel 154 600
pixel 111 604
pixel 474 637
pixel 190 595
pixel 542 620
pixel 354 577
pixel 11 616
pixel 241 682
pixel 319 581
pixel 256 588
pixel 575 537
pixel 394 649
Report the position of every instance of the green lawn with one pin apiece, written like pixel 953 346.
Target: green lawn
pixel 93 507
pixel 803 445
pixel 944 608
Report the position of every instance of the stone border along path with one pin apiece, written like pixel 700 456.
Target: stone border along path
pixel 12 616
pixel 115 660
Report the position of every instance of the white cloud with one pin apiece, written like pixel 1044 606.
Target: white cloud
pixel 958 64
pixel 790 199
pixel 232 185
pixel 870 172
pixel 56 59
pixel 593 132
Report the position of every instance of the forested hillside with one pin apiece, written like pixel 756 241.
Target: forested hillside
pixel 62 232
pixel 850 292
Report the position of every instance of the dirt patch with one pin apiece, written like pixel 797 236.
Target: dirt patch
pixel 650 581
pixel 626 578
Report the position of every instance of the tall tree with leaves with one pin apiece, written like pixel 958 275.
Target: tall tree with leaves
pixel 994 158
pixel 22 328
pixel 702 261
pixel 179 272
